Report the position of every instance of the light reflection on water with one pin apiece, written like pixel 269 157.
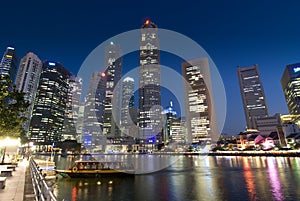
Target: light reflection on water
pixel 191 178
pixel 274 179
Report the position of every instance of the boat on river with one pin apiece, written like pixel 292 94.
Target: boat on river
pixel 96 169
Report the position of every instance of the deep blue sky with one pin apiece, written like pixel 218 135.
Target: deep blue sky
pixel 234 33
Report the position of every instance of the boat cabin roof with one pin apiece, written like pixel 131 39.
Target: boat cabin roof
pixel 110 162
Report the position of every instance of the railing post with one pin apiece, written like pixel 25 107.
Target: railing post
pixel 43 191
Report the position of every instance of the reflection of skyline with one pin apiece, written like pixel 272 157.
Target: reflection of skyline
pixel 195 178
pixel 249 180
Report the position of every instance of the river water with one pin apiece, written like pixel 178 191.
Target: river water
pixel 189 178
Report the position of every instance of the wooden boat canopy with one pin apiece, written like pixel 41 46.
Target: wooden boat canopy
pixel 99 165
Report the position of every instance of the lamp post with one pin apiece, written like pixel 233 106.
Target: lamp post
pixel 3 156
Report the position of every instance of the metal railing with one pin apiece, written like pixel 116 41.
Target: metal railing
pixel 42 191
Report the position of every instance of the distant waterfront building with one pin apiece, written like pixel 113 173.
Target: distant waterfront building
pixel 171 115
pixel 246 139
pixel 253 95
pixel 201 119
pixel 48 114
pixel 290 82
pixel 127 121
pixel 149 82
pixel 28 79
pixel 290 125
pixel 290 128
pixel 113 73
pixel 72 108
pixel 9 63
pixel 266 125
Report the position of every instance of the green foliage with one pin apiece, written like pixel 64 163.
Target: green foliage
pixel 13 107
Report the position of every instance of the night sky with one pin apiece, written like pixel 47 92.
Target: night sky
pixel 233 33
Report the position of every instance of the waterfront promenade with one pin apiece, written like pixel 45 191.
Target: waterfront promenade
pixel 19 186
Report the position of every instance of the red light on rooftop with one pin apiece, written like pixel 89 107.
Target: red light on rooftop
pixel 102 74
pixel 147 22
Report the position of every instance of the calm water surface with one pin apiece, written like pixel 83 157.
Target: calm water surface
pixel 192 179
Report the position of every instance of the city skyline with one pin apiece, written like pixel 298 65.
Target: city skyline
pixel 231 41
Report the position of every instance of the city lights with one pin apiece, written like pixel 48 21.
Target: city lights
pixel 6 142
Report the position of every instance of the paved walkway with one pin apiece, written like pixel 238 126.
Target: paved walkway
pixel 16 185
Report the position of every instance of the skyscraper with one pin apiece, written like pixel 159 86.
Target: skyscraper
pixel 113 73
pixel 93 111
pixel 201 120
pixel 253 95
pixel 129 112
pixel 127 101
pixel 28 79
pixel 178 132
pixel 149 82
pixel 9 63
pixel 290 82
pixel 48 114
pixel 171 116
pixel 79 124
pixel 72 108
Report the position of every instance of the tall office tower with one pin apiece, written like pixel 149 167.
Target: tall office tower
pixel 201 119
pixel 49 108
pixel 28 79
pixel 149 82
pixel 113 73
pixel 171 115
pixel 127 102
pixel 9 63
pixel 79 124
pixel 177 132
pixel 93 111
pixel 72 108
pixel 253 95
pixel 290 82
pixel 129 113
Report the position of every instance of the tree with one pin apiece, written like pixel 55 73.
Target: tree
pixel 13 108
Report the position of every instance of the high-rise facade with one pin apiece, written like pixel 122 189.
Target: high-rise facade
pixel 28 79
pixel 79 124
pixel 93 111
pixel 290 82
pixel 178 132
pixel 253 95
pixel 9 63
pixel 48 114
pixel 199 103
pixel 171 116
pixel 72 108
pixel 129 112
pixel 149 82
pixel 127 101
pixel 113 73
